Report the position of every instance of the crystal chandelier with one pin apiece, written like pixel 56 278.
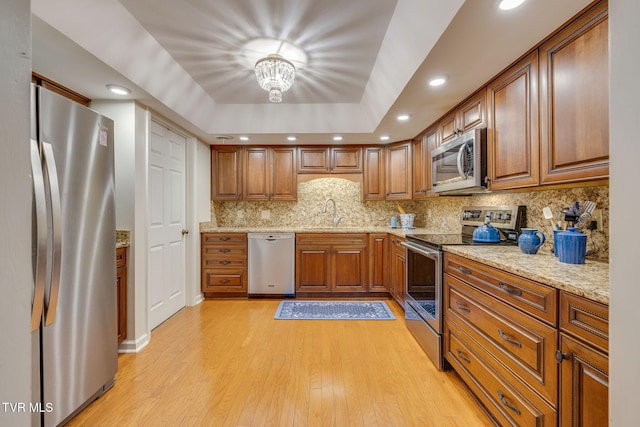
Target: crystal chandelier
pixel 275 75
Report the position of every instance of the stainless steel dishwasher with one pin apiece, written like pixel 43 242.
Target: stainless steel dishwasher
pixel 272 264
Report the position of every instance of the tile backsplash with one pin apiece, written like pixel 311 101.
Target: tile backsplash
pixel 438 214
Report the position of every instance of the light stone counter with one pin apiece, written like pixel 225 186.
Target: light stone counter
pixel 122 239
pixel 590 280
pixel 206 227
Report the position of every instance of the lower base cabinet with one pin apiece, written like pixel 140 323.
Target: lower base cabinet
pixel 398 262
pixel 224 264
pixel 121 292
pixel 532 355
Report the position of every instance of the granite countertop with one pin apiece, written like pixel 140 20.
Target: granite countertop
pixel 208 228
pixel 123 239
pixel 590 280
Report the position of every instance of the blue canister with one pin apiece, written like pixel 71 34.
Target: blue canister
pixel 555 241
pixel 394 222
pixel 530 240
pixel 572 246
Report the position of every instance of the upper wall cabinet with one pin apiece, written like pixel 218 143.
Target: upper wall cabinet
pixel 512 133
pixel 373 183
pixel 269 173
pixel 468 115
pixel 574 100
pixel 399 171
pixel 330 159
pixel 226 173
pixel 421 156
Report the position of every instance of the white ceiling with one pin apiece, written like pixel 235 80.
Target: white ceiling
pixel 369 60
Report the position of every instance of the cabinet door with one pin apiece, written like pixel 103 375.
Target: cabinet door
pixel 226 173
pixel 121 298
pixel 313 268
pixel 374 174
pixel 283 176
pixel 397 282
pixel 349 269
pixel 512 133
pixel 346 160
pixel 399 171
pixel 575 111
pixel 313 160
pixel 378 262
pixel 418 155
pixel 256 174
pixel 472 113
pixel 430 144
pixel 448 127
pixel 584 385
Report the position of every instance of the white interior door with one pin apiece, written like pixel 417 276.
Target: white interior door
pixel 167 216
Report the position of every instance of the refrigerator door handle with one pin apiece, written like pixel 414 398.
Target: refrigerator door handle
pixel 41 236
pixel 51 298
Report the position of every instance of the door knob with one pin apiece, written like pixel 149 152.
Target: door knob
pixel 185 231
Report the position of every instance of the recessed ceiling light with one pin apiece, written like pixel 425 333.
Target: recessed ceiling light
pixel 510 4
pixel 244 138
pixel 438 81
pixel 384 138
pixel 118 90
pixel 403 117
pixel 291 138
pixel 337 138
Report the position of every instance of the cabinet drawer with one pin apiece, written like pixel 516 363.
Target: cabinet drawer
pixel 225 251
pixel 531 297
pixel 331 239
pixel 224 262
pixel 224 281
pixel 509 405
pixel 121 257
pixel 217 238
pixel 515 340
pixel 585 319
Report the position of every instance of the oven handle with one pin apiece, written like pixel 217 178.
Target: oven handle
pixel 428 252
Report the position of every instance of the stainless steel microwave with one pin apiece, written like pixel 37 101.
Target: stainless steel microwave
pixel 460 166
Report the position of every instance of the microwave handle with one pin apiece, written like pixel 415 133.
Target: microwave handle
pixel 461 151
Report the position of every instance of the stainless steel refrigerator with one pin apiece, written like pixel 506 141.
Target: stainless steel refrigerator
pixel 74 293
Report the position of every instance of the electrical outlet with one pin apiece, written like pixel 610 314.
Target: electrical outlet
pixel 596 216
pixel 240 214
pixel 265 214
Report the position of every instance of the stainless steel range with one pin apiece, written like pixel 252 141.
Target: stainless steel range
pixel 423 294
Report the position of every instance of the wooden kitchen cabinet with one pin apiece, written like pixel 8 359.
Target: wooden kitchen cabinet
pixel 513 142
pixel 347 159
pixel 500 336
pixel 373 183
pixel 269 173
pixel 470 114
pixel 223 264
pixel 574 112
pixel 226 173
pixel 378 262
pixel 331 263
pixel 398 171
pixel 584 367
pixel 121 292
pixel 398 261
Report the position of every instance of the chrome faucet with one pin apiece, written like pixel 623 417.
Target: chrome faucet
pixel 336 219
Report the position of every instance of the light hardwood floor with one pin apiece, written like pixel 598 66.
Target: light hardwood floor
pixel 229 363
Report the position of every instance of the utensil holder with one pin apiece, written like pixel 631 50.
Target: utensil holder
pixel 407 220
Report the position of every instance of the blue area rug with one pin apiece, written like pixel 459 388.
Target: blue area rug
pixel 334 310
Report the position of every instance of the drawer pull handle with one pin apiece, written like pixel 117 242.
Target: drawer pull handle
pixel 464 270
pixel 224 239
pixel 225 262
pixel 225 281
pixel 224 251
pixel 507 404
pixel 462 356
pixel 508 289
pixel 507 339
pixel 462 307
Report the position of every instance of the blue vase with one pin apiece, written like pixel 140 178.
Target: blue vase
pixel 530 240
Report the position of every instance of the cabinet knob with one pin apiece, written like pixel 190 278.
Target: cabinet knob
pixel 560 356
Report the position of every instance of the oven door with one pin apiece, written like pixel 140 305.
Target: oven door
pixel 424 283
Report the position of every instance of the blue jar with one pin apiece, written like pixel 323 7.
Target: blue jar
pixel 572 246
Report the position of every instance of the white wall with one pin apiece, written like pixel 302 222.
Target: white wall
pixel 624 114
pixel 16 278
